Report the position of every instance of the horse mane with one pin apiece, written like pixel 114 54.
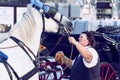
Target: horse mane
pixel 28 23
pixel 29 29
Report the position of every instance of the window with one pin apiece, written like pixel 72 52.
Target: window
pixel 14 2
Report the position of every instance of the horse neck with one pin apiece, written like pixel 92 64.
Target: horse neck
pixel 29 33
pixel 32 42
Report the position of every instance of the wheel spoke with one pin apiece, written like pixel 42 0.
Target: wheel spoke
pixel 107 72
pixel 111 76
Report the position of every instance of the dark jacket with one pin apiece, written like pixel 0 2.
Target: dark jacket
pixel 80 72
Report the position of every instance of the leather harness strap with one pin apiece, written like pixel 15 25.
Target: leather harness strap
pixel 36 68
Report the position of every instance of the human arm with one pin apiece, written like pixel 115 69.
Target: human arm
pixel 94 60
pixel 82 50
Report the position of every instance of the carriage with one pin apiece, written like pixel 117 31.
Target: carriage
pixel 107 47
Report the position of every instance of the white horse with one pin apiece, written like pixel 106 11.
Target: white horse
pixel 28 30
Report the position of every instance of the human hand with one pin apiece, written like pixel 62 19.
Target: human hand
pixel 72 40
pixel 60 57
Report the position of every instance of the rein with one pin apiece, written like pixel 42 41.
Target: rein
pixel 61 26
pixel 9 47
pixel 55 46
pixel 68 35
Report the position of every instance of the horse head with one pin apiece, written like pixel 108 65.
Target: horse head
pixel 65 25
pixel 28 30
pixel 34 22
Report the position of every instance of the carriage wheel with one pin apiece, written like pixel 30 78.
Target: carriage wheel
pixel 49 70
pixel 47 76
pixel 107 72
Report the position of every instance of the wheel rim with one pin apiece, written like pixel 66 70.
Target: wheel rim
pixel 107 72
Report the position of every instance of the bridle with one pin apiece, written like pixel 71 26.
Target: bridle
pixel 62 28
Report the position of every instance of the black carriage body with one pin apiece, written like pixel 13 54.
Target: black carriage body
pixel 55 42
pixel 108 48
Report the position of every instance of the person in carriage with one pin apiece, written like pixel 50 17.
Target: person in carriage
pixel 86 66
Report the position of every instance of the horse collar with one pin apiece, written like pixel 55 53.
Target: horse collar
pixel 21 44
